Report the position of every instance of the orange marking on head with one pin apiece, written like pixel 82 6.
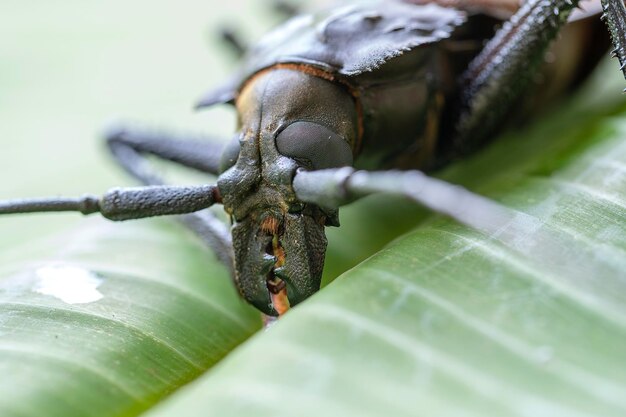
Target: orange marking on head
pixel 280 302
pixel 270 225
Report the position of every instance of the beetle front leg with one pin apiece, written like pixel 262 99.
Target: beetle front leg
pixel 615 17
pixel 505 67
pixel 201 153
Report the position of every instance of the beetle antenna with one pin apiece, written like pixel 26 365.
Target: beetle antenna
pixel 332 188
pixel 517 231
pixel 86 205
pixel 124 203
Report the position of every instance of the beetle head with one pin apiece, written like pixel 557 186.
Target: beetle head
pixel 288 120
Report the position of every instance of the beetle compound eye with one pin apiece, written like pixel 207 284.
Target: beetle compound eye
pixel 315 144
pixel 230 154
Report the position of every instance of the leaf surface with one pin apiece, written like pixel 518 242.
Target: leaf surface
pixel 118 317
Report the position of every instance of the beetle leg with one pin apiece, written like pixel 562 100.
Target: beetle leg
pixel 505 68
pixel 201 153
pixel 232 38
pixel 615 17
pixel 128 147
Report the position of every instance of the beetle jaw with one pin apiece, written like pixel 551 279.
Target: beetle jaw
pixel 273 253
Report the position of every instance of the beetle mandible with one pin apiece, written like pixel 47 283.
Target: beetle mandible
pixel 372 86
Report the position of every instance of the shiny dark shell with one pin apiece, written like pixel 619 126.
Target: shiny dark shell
pixel 348 41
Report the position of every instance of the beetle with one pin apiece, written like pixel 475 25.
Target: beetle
pixel 371 86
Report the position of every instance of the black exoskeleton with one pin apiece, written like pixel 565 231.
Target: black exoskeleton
pixel 376 86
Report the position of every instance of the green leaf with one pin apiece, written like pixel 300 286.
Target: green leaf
pixel 448 321
pixel 113 319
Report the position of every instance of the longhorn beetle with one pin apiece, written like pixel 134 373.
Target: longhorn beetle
pixel 371 86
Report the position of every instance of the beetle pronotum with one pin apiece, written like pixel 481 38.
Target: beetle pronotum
pixel 370 86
